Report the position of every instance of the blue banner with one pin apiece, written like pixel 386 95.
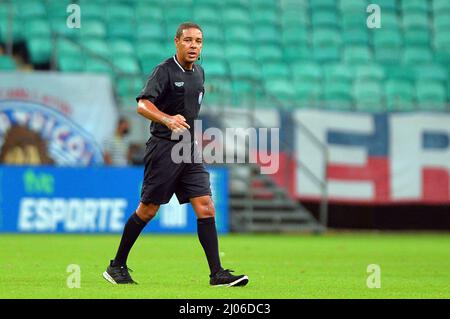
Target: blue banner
pixel 92 200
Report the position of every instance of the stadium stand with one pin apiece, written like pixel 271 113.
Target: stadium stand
pixel 303 53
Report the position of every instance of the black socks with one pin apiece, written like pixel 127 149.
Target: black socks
pixel 132 229
pixel 207 234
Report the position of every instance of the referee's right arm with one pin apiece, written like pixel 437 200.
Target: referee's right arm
pixel 148 110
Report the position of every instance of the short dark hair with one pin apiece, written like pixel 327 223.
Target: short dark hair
pixel 186 25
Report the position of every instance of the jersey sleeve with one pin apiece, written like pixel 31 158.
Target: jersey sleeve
pixel 155 86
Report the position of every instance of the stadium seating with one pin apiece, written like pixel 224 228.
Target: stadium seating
pixel 306 53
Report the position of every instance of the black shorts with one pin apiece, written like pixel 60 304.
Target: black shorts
pixel 163 177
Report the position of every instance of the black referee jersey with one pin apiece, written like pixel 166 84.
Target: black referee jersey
pixel 174 90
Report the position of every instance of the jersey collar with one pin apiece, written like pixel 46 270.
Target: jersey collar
pixel 179 65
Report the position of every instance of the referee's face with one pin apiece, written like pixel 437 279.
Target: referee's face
pixel 189 45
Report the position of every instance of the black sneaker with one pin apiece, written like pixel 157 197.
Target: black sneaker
pixel 118 274
pixel 224 278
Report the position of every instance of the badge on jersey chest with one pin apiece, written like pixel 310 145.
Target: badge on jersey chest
pixel 179 84
pixel 200 98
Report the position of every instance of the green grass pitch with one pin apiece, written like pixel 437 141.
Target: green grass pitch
pixel 413 265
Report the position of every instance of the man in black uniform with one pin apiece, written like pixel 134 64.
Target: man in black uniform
pixel 171 99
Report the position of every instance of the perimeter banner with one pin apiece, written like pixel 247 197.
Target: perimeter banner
pixel 92 200
pixel 65 117
pixel 375 158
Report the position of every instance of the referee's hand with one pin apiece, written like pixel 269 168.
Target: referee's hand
pixel 176 123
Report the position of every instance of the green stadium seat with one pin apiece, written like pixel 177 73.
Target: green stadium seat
pixel 212 32
pixel 324 18
pixel 235 15
pixel 415 20
pixel 207 14
pixel 29 9
pixel 294 5
pixel 338 72
pixel 322 4
pixel 124 30
pixel 416 37
pixel 358 36
pixel 400 72
pixel 308 94
pixel 387 6
pixel 268 53
pixel 93 65
pixel 325 37
pixel 369 72
pixel 293 18
pixel 388 55
pixel 68 47
pixel 128 87
pixel 297 53
pixel 70 64
pixel 126 65
pixel 120 46
pixel 202 3
pixel 240 4
pixel 389 21
pixel 244 91
pixel 441 6
pixel 147 48
pixel 282 90
pixel 263 4
pixel 218 91
pixel 40 50
pixel 172 3
pixel 245 70
pixel 306 72
pixel 337 95
pixel 91 11
pixel 96 47
pixel 275 71
pixel 353 20
pixel 417 55
pixel 327 54
pixel 414 6
pixel 368 96
pixel 150 31
pixel 441 21
pixel 239 33
pixel 216 68
pixel 178 13
pixel 387 38
pixel 357 54
pixel 37 28
pixel 267 34
pixel 18 31
pixel 430 95
pixel 433 72
pixel 400 95
pixel 295 35
pixel 57 9
pixel 265 16
pixel 213 50
pixel 352 6
pixel 441 40
pixel 92 29
pixel 58 26
pixel 7 63
pixel 119 13
pixel 238 52
pixel 145 12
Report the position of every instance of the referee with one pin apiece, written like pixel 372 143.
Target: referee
pixel 171 100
